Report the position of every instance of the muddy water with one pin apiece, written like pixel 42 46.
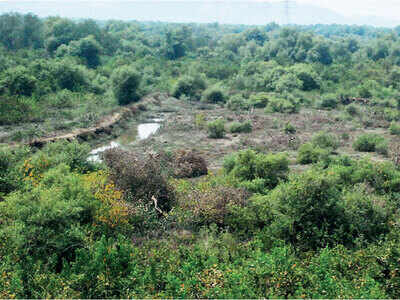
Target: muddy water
pixel 147 129
pixel 142 132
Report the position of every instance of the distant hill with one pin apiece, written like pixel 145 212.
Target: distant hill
pixel 228 12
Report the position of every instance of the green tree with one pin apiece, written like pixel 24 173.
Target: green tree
pixel 126 82
pixel 88 49
pixel 189 86
pixel 19 82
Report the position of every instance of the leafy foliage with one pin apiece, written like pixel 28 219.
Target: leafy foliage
pixel 135 226
pixel 368 142
pixel 237 127
pixel 126 83
pixel 257 171
pixel 216 129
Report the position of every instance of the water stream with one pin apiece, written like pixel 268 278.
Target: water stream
pixel 143 131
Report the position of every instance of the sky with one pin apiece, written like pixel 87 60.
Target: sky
pixel 384 8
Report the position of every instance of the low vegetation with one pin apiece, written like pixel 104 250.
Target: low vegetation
pixel 275 172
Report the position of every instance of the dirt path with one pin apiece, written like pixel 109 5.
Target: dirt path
pixel 105 125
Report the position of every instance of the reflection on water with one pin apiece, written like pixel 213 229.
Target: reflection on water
pixel 147 129
pixel 144 131
pixel 95 154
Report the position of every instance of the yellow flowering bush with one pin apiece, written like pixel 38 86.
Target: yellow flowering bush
pixel 34 167
pixel 114 211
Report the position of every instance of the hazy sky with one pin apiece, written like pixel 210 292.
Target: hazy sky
pixel 388 8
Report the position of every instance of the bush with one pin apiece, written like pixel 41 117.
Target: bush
pixel 126 83
pixel 190 87
pixel 309 154
pixel 259 100
pixel 367 214
pixel 308 77
pixel 211 204
pixel 352 110
pixel 329 101
pixel 382 148
pixel 141 180
pixel 289 129
pixel 325 140
pixel 281 105
pixel 68 76
pixel 367 142
pixel 236 103
pixel 200 121
pixel 48 223
pixel 15 110
pixel 237 127
pixel 257 172
pixel 345 136
pixel 306 212
pixel 188 164
pixel 394 128
pixel 19 82
pixel 73 154
pixel 214 95
pixel 10 177
pixel 87 49
pixel 216 129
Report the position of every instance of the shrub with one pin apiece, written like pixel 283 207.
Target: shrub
pixel 190 87
pixel 367 142
pixel 236 103
pixel 87 49
pixel 394 128
pixel 325 140
pixel 19 82
pixel 113 211
pixel 259 100
pixel 141 180
pixel 210 204
pixel 289 128
pixel 329 101
pixel 257 171
pixel 61 99
pixel 309 154
pixel 126 83
pixel 281 105
pixel 188 164
pixel 10 177
pixel 48 223
pixel 214 95
pixel 308 77
pixel 73 154
pixel 382 148
pixel 200 121
pixel 15 110
pixel 68 76
pixel 216 129
pixel 237 127
pixel 345 136
pixel 352 110
pixel 367 214
pixel 108 259
pixel 306 211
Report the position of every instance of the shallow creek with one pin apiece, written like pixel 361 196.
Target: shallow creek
pixel 142 131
